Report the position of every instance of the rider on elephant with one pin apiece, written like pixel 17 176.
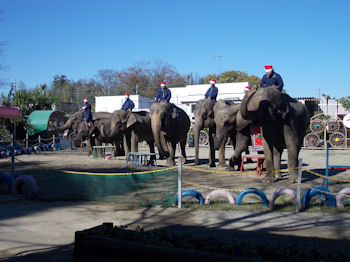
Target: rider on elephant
pixel 271 78
pixel 128 104
pixel 163 94
pixel 87 113
pixel 212 92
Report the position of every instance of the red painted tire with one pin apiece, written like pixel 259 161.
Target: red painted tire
pixel 341 195
pixel 279 192
pixel 222 193
pixel 26 185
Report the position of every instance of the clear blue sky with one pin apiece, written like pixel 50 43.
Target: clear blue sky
pixel 308 42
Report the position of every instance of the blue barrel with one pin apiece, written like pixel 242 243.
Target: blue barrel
pixel 190 193
pixel 321 191
pixel 252 190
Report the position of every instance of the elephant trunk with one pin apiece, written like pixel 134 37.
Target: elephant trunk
pixel 67 125
pixel 102 131
pixel 219 136
pixel 217 142
pixel 196 131
pixel 158 136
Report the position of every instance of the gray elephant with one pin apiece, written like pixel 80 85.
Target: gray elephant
pixel 134 126
pixel 170 125
pixel 97 135
pixel 284 121
pixel 230 123
pixel 77 130
pixel 204 118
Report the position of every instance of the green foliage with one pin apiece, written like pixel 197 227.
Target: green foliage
pixel 28 101
pixel 344 101
pixel 144 76
pixel 230 77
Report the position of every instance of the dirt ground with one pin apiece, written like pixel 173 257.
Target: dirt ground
pixel 39 230
pixel 204 181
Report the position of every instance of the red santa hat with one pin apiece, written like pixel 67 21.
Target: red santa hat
pixel 247 88
pixel 86 100
pixel 83 106
pixel 212 81
pixel 268 68
pixel 163 83
pixel 127 95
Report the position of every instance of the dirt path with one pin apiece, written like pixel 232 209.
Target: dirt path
pixel 45 230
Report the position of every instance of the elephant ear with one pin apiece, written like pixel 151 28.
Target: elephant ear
pixel 131 119
pixel 283 110
pixel 174 113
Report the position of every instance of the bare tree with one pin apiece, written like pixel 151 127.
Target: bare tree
pixel 108 80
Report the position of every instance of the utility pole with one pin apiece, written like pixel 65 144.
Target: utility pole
pixel 219 62
pixel 137 89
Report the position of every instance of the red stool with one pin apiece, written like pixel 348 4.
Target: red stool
pixel 259 162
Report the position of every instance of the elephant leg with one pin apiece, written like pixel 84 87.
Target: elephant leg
pixel 151 149
pixel 211 147
pixel 268 152
pixel 222 162
pixel 134 143
pixel 293 153
pixel 240 146
pixel 277 153
pixel 127 144
pixel 249 160
pixel 90 144
pixel 183 151
pixel 171 158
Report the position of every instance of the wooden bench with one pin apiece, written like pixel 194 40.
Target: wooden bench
pixel 103 151
pixel 139 159
pixel 259 162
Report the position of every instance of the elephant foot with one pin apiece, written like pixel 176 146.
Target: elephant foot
pixel 293 179
pixel 212 164
pixel 171 163
pixel 222 164
pixel 196 163
pixel 269 179
pixel 184 160
pixel 278 175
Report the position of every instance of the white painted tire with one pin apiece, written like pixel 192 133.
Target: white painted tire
pixel 341 195
pixel 279 192
pixel 222 193
pixel 26 185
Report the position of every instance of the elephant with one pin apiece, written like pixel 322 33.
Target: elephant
pixel 97 135
pixel 134 126
pixel 230 123
pixel 170 125
pixel 284 121
pixel 77 130
pixel 204 118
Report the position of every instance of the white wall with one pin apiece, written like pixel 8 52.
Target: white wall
pixel 185 96
pixel 112 103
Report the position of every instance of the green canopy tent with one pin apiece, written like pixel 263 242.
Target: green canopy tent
pixel 38 123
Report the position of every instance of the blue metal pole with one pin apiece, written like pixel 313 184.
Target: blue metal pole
pixel 325 180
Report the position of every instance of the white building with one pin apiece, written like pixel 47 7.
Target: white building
pixel 112 103
pixel 332 108
pixel 187 97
